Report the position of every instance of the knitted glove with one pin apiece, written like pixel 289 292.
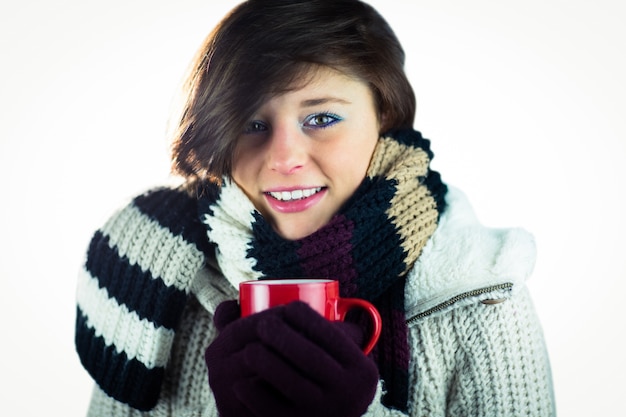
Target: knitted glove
pixel 225 355
pixel 288 361
pixel 225 313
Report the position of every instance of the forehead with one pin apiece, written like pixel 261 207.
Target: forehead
pixel 323 82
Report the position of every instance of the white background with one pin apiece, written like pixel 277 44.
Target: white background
pixel 523 100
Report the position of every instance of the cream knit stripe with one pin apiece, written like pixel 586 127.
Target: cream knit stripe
pixel 152 247
pixel 230 228
pixel 137 338
pixel 101 405
pixel 185 390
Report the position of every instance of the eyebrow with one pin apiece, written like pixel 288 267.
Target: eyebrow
pixel 318 101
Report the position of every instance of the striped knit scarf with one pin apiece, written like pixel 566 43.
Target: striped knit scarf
pixel 369 246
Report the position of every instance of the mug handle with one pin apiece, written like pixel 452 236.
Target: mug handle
pixel 346 304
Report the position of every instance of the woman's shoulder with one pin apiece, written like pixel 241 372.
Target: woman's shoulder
pixel 169 209
pixel 138 271
pixel 464 259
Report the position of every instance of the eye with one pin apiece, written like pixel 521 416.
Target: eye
pixel 321 120
pixel 255 126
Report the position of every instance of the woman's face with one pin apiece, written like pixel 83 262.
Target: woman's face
pixel 304 153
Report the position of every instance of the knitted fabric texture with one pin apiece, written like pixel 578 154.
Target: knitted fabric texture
pixel 369 246
pixel 132 291
pixel 467 359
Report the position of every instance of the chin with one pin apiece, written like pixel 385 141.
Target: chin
pixel 291 232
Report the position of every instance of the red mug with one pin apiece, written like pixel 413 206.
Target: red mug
pixel 321 294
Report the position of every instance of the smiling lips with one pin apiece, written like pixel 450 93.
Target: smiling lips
pixel 295 200
pixel 295 194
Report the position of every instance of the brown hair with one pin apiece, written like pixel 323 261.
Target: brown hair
pixel 264 47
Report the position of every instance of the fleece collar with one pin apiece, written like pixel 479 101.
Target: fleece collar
pixel 462 255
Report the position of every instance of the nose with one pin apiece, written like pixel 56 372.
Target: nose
pixel 287 149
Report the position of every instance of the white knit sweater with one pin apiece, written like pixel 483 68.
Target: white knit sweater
pixel 477 348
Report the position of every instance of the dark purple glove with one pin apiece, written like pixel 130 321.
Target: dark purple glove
pixel 225 356
pixel 288 361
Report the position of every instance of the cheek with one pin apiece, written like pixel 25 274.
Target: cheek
pixel 243 161
pixel 363 156
pixel 352 166
pixel 241 172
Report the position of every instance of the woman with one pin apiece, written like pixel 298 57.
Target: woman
pixel 296 147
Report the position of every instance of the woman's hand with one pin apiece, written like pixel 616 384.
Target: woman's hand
pixel 288 361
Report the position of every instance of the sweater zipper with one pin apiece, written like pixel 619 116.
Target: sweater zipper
pixel 457 298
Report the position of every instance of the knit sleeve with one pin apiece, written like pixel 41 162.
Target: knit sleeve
pixel 481 359
pixel 132 290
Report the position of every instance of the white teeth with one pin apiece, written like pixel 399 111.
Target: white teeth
pixel 295 195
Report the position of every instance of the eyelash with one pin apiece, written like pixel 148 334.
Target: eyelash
pixel 253 127
pixel 334 119
pixel 257 126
